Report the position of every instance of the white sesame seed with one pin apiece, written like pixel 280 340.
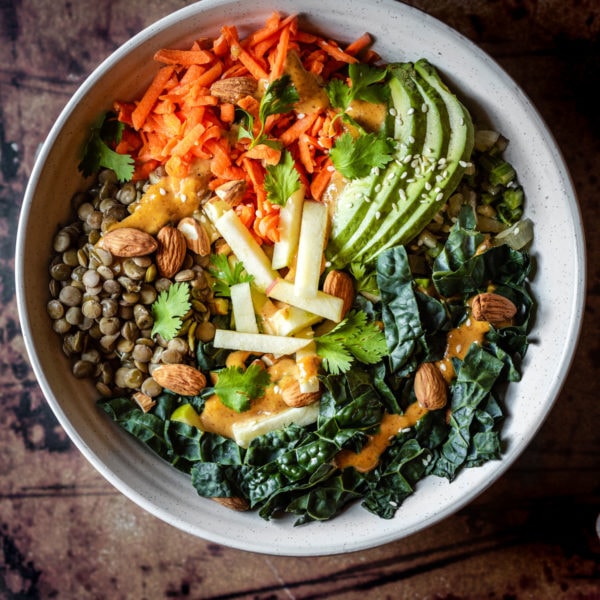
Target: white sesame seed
pixel 378 215
pixel 392 111
pixel 378 187
pixel 411 139
pixel 439 197
pixel 410 111
pixel 424 107
pixel 162 191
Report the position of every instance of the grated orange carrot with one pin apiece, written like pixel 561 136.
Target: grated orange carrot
pixel 182 57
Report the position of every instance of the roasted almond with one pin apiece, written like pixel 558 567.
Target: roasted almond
pixel 144 401
pixel 128 242
pixel 180 379
pixel 493 308
pixel 233 502
pixel 232 191
pixel 171 251
pixel 195 236
pixel 340 284
pixel 430 387
pixel 289 388
pixel 233 89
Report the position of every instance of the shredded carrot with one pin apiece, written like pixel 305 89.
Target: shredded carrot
pixel 182 57
pixel 359 44
pixel 177 121
pixel 321 180
pixel 142 110
pixel 270 155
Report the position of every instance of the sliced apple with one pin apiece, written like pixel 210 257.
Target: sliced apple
pixel 245 431
pixel 313 230
pixel 246 249
pixel 325 305
pixel 290 217
pixel 259 343
pixel 243 308
pixel 289 320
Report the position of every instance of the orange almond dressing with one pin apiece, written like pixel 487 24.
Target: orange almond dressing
pixel 218 418
pixel 459 340
pixel 167 201
pixel 368 458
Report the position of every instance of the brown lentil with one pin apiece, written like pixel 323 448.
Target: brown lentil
pixel 101 306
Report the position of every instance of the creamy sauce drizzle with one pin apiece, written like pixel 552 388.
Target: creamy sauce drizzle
pixel 459 340
pixel 167 201
pixel 218 418
pixel 368 458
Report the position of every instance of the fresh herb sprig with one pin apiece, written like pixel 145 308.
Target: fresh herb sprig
pixel 354 338
pixel 169 309
pixel 282 180
pixel 226 274
pixel 97 153
pixel 279 98
pixel 355 157
pixel 236 387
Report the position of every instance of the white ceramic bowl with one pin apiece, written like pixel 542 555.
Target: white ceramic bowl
pixel 402 33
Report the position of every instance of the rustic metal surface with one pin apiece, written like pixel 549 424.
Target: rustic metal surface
pixel 66 533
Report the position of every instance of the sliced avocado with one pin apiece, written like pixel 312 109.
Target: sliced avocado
pixel 361 199
pixel 395 189
pixel 416 213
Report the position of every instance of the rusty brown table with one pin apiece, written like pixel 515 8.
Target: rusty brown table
pixel 66 533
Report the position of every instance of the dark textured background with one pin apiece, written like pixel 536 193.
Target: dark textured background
pixel 66 533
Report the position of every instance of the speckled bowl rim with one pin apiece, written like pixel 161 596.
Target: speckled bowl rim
pixel 402 33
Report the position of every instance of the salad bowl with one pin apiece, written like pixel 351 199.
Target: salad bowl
pixel 400 33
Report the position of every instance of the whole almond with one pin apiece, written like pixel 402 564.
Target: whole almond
pixel 195 236
pixel 180 379
pixel 171 251
pixel 289 388
pixel 128 242
pixel 340 284
pixel 233 89
pixel 233 502
pixel 430 387
pixel 232 191
pixel 493 308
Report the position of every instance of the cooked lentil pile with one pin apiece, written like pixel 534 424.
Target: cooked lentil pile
pixel 101 304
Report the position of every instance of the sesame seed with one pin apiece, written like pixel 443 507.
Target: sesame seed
pixel 331 168
pixel 392 111
pixel 424 107
pixel 458 348
pixel 407 159
pixel 183 197
pixel 378 187
pixel 378 215
pixel 410 111
pixel 439 197
pixel 427 185
pixel 463 163
pixel 404 175
pixel 411 139
pixel 162 191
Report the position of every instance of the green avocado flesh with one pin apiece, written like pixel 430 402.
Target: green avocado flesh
pixel 389 207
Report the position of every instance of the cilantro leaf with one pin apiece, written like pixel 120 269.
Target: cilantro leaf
pixel 279 97
pixel 98 154
pixel 363 79
pixel 236 387
pixel 352 339
pixel 226 275
pixel 355 157
pixel 282 180
pixel 169 308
